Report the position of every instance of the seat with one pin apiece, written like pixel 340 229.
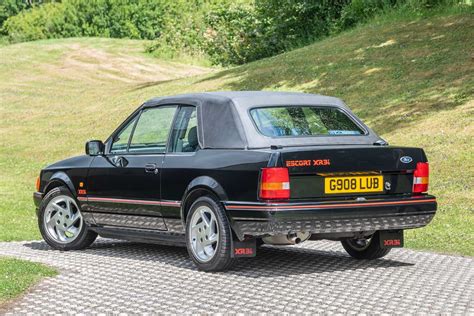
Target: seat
pixel 193 142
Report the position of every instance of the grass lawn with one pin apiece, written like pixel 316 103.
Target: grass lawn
pixel 409 78
pixel 17 275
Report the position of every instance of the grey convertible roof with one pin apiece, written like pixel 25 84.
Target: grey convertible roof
pixel 249 98
pixel 225 122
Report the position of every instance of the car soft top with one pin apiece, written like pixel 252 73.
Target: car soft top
pixel 226 122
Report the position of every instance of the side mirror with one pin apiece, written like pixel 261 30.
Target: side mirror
pixel 95 148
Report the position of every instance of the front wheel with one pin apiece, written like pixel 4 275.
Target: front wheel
pixel 365 248
pixel 60 221
pixel 208 235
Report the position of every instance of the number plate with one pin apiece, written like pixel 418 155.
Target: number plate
pixel 362 184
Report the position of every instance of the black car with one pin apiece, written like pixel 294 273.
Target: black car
pixel 226 172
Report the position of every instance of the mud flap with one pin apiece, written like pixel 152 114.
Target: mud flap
pixel 391 238
pixel 244 249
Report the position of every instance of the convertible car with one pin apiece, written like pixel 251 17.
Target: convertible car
pixel 223 173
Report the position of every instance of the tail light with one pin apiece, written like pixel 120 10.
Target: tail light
pixel 38 182
pixel 421 177
pixel 275 184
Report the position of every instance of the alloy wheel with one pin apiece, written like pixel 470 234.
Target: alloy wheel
pixel 62 219
pixel 204 234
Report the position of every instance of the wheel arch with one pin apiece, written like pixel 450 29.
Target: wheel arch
pixel 198 187
pixel 59 179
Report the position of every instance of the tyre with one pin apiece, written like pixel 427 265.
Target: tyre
pixel 208 235
pixel 365 248
pixel 61 223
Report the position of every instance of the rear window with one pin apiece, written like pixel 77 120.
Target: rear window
pixel 280 121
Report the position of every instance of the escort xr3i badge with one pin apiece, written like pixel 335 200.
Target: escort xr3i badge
pixel 223 173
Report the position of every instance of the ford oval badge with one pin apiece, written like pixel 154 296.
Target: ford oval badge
pixel 406 159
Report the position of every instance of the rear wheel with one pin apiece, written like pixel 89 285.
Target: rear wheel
pixel 60 221
pixel 208 235
pixel 365 248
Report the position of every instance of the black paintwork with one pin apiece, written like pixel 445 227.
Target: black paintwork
pixel 104 179
pixel 230 174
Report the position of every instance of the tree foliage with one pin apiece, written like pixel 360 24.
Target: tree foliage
pixel 228 32
pixel 10 8
pixel 239 34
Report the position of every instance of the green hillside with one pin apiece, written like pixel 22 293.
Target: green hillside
pixel 411 80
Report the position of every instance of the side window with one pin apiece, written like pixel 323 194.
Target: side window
pixel 120 142
pixel 184 134
pixel 152 130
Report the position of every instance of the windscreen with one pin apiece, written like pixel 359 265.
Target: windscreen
pixel 281 121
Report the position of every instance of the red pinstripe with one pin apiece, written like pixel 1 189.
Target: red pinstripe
pixel 340 205
pixel 129 201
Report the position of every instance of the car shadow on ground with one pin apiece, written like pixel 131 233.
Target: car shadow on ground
pixel 270 261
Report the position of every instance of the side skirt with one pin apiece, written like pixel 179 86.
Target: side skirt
pixel 141 235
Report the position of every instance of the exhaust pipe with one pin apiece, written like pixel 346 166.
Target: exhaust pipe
pixel 294 239
pixel 290 239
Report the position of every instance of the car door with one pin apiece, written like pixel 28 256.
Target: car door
pixel 126 180
pixel 180 165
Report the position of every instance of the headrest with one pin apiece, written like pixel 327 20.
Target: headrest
pixel 193 137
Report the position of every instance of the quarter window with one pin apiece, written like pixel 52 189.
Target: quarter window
pixel 120 142
pixel 184 135
pixel 152 129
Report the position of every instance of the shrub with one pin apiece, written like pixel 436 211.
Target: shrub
pixel 238 34
pixel 141 19
pixel 233 35
pixel 34 24
pixel 228 31
pixel 182 29
pixel 10 8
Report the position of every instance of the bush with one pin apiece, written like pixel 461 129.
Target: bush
pixel 228 31
pixel 182 31
pixel 140 19
pixel 233 35
pixel 238 34
pixel 359 11
pixel 10 8
pixel 34 24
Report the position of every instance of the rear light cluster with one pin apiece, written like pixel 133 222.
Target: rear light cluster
pixel 275 184
pixel 421 177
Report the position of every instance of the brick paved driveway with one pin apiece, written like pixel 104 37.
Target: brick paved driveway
pixel 313 277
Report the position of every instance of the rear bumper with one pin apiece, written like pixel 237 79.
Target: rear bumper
pixel 259 219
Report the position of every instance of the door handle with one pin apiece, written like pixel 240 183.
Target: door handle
pixel 151 168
